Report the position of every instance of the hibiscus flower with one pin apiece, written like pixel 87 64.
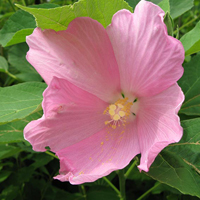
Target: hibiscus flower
pixel 112 93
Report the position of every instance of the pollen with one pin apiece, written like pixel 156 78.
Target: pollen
pixel 116 117
pixel 112 107
pixel 122 113
pixel 112 112
pixel 118 112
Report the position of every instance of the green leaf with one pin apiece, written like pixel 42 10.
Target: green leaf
pixel 6 15
pixel 133 3
pixel 59 18
pixel 13 132
pixel 155 1
pixel 40 159
pixel 4 175
pixel 17 59
pixel 3 64
pixel 10 193
pixel 57 193
pixel 24 173
pixel 16 28
pixel 101 192
pixel 191 40
pixel 19 25
pixel 190 84
pixel 165 5
pixel 20 100
pixel 8 151
pixel 175 7
pixel 179 165
pixel 28 76
pixel 178 7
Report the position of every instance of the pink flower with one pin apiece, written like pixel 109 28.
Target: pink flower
pixel 112 93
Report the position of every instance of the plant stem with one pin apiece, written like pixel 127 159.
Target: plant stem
pixel 126 175
pixel 11 75
pixel 122 182
pixel 51 154
pixel 185 25
pixel 112 186
pixel 148 191
pixel 83 192
pixel 10 79
pixel 12 5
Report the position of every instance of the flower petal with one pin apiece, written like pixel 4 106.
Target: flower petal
pixel 98 155
pixel 149 60
pixel 82 54
pixel 158 123
pixel 70 115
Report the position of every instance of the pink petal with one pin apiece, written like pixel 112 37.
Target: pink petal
pixel 70 115
pixel 158 123
pixel 82 54
pixel 149 60
pixel 98 155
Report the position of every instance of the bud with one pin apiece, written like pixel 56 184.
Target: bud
pixel 169 23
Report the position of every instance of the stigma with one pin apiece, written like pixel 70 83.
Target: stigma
pixel 119 112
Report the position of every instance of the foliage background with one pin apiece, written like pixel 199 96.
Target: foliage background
pixel 25 174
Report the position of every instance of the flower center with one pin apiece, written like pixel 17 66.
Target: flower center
pixel 119 112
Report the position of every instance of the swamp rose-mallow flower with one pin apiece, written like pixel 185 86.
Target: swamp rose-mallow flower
pixel 111 94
